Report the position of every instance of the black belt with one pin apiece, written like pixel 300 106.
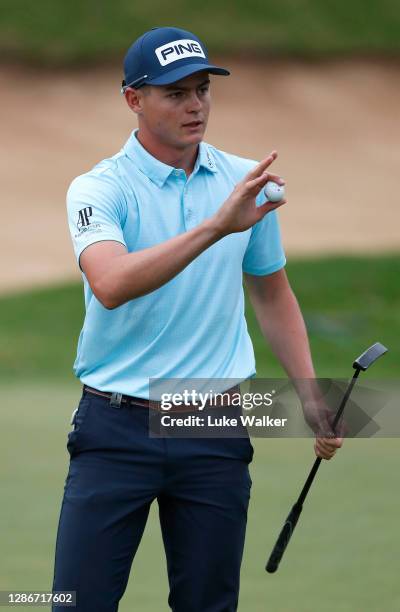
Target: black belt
pixel 221 399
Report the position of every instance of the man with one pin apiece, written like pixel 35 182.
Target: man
pixel 162 232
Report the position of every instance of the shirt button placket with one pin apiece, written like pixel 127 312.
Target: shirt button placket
pixel 188 209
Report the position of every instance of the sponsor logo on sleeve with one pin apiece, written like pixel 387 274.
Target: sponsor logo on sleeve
pixel 84 222
pixel 178 49
pixel 84 217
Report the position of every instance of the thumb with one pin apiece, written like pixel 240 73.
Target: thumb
pixel 267 207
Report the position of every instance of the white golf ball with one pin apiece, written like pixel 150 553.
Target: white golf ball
pixel 274 192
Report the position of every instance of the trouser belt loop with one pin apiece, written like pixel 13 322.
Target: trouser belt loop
pixel 115 400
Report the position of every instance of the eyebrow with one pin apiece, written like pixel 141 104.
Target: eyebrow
pixel 179 88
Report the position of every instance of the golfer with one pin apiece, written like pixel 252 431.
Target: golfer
pixel 163 232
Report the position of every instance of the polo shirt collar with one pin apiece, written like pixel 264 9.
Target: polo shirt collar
pixel 156 170
pixel 205 158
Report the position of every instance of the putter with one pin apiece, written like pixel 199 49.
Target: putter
pixel 362 363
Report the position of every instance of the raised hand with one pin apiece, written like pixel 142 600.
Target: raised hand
pixel 240 212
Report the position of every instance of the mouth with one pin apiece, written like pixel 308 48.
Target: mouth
pixel 193 124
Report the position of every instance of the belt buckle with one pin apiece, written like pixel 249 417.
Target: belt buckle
pixel 115 400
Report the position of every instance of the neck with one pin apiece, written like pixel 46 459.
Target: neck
pixel 184 158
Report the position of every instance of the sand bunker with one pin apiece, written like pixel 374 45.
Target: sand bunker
pixel 336 127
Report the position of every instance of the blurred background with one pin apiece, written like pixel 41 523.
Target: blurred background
pixel 317 80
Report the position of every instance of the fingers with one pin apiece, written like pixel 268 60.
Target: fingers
pixel 258 183
pixel 341 429
pixel 327 447
pixel 258 176
pixel 267 207
pixel 276 179
pixel 323 453
pixel 261 167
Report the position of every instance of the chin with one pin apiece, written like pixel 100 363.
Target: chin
pixel 193 139
pixel 196 139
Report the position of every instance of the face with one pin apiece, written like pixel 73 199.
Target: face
pixel 175 115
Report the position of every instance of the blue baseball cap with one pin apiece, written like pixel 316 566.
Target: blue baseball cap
pixel 165 55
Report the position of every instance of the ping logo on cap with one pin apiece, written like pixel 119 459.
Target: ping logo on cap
pixel 178 49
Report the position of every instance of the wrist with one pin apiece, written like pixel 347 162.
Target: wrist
pixel 308 389
pixel 214 225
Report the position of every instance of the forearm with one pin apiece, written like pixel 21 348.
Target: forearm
pixel 132 275
pixel 117 277
pixel 283 327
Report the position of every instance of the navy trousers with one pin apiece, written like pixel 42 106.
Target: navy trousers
pixel 202 486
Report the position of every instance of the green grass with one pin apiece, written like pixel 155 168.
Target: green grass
pixel 61 33
pixel 348 303
pixel 39 331
pixel 343 556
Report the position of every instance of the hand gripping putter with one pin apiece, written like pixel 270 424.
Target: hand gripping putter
pixel 361 364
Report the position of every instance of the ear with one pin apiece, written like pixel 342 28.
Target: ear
pixel 134 99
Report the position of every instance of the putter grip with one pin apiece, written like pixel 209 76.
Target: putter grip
pixel 283 539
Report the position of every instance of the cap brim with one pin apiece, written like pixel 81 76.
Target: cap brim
pixel 184 71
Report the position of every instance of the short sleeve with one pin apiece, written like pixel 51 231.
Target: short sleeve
pixel 264 253
pixel 96 211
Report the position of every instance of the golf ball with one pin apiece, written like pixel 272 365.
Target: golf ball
pixel 274 192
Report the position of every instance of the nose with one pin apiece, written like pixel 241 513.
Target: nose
pixel 194 103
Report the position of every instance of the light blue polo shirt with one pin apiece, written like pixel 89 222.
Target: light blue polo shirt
pixel 194 325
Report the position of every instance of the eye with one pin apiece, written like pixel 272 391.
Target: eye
pixel 175 94
pixel 204 90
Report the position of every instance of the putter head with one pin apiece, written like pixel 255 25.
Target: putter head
pixel 369 356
